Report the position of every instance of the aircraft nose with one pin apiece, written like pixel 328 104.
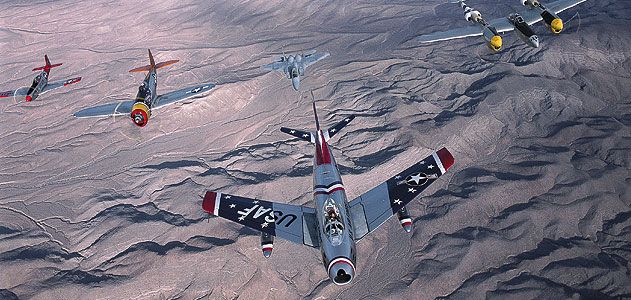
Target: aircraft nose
pixel 535 41
pixel 341 271
pixel 295 82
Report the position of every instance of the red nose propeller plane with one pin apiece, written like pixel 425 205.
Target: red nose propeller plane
pixel 40 84
pixel 334 225
pixel 147 98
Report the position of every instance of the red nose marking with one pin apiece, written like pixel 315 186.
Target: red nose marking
pixel 29 98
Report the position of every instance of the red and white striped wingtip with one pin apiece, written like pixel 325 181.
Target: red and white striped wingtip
pixel 406 224
pixel 211 203
pixel 446 159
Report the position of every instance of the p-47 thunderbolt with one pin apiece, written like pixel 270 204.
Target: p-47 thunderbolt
pixel 147 98
pixel 40 83
pixel 519 22
pixel 294 66
pixel 334 225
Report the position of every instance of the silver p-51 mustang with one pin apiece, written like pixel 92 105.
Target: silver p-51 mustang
pixel 294 66
pixel 334 225
pixel 40 83
pixel 147 97
pixel 519 22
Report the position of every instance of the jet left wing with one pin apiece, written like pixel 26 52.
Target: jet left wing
pixel 374 207
pixel 18 92
pixel 291 222
pixel 179 95
pixel 109 109
pixel 58 84
pixel 275 66
pixel 532 16
pixel 310 59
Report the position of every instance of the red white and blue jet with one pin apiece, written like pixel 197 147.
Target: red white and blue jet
pixel 40 84
pixel 334 225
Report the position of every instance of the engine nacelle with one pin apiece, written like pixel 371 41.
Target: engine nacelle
pixel 267 244
pixel 140 114
pixel 552 21
pixel 530 3
pixel 473 16
pixel 404 219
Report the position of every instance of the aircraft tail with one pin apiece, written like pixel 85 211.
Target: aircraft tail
pixel 311 136
pixel 152 65
pixel 48 65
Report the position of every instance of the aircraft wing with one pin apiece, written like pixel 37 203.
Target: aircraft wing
pixel 110 109
pixel 312 58
pixel 532 16
pixel 58 84
pixel 275 66
pixel 179 95
pixel 451 34
pixel 376 206
pixel 502 25
pixel 291 222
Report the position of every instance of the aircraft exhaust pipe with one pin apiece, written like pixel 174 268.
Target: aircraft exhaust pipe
pixel 267 244
pixel 404 219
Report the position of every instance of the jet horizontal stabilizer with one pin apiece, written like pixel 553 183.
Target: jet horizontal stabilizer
pixel 303 135
pixel 147 68
pixel 337 127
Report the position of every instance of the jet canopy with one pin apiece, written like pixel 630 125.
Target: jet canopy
pixel 333 223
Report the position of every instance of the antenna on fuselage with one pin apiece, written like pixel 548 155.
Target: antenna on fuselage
pixel 315 113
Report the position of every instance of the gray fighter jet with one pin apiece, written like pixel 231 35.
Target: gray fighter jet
pixel 294 66
pixel 334 225
pixel 147 98
pixel 519 22
pixel 40 83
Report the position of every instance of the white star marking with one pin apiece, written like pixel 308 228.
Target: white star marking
pixel 264 225
pixel 397 177
pixel 293 131
pixel 255 201
pixel 347 120
pixel 416 178
pixel 305 135
pixel 397 201
pixel 333 130
pixel 430 167
pixel 411 190
pixel 228 196
pixel 241 218
pixel 232 205
pixel 422 162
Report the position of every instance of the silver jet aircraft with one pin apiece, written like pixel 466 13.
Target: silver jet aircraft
pixel 147 98
pixel 40 83
pixel 519 22
pixel 334 225
pixel 294 66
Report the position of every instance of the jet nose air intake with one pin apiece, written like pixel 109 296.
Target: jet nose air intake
pixel 341 271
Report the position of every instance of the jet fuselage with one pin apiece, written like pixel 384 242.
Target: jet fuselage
pixel 39 82
pixel 141 111
pixel 337 242
pixel 523 30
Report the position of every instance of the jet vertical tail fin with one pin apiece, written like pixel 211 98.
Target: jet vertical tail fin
pixel 48 65
pixel 152 65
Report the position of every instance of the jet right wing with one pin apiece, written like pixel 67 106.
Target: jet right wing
pixel 532 16
pixel 374 207
pixel 58 84
pixel 294 223
pixel 105 110
pixel 310 59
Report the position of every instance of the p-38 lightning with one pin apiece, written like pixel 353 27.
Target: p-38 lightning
pixel 519 22
pixel 40 83
pixel 294 66
pixel 147 98
pixel 334 225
